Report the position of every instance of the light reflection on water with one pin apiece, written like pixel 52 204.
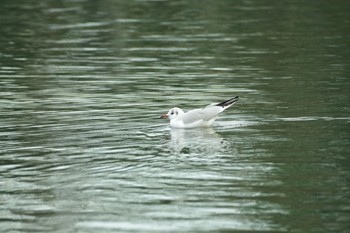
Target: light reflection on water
pixel 82 86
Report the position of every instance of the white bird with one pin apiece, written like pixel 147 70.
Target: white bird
pixel 201 117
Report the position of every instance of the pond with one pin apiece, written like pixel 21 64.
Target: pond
pixel 83 84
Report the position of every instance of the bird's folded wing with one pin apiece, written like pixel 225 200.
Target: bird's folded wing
pixel 211 105
pixel 204 114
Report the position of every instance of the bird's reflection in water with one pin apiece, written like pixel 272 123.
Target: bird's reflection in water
pixel 197 140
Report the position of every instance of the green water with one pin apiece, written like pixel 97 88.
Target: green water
pixel 82 86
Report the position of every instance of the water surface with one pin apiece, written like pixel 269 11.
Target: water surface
pixel 82 86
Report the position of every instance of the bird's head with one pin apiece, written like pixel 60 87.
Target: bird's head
pixel 173 113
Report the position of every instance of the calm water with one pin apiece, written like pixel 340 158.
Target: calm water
pixel 82 86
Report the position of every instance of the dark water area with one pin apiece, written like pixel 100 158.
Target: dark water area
pixel 82 86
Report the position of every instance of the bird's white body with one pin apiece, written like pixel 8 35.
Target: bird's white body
pixel 202 117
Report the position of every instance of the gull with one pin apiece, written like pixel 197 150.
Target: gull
pixel 201 117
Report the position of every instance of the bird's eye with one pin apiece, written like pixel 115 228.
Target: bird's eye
pixel 172 113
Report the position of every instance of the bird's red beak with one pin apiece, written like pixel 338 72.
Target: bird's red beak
pixel 165 116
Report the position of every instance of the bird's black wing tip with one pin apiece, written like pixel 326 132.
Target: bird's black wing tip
pixel 228 102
